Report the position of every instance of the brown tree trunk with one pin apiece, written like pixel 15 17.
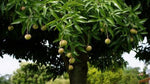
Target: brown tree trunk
pixel 79 74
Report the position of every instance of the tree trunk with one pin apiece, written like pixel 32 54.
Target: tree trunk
pixel 79 73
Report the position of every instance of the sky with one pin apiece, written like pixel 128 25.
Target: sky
pixel 8 64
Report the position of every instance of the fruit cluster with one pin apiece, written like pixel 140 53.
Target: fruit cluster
pixel 63 43
pixel 108 41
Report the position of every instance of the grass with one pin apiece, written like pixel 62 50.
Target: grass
pixel 59 81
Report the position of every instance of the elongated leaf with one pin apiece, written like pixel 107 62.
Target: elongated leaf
pixel 10 4
pixel 81 21
pixel 111 32
pixel 54 14
pixel 78 28
pixel 21 14
pixel 18 21
pixel 102 12
pixel 44 11
pixel 82 49
pixel 142 21
pixel 115 2
pixel 136 7
pixel 94 27
pixel 87 4
pixel 23 28
pixel 54 2
pixel 109 19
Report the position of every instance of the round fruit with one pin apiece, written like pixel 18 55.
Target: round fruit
pixel 88 48
pixel 133 31
pixel 71 60
pixel 102 30
pixel 43 28
pixel 27 36
pixel 107 41
pixel 61 51
pixel 10 28
pixel 70 67
pixel 23 8
pixel 131 39
pixel 69 55
pixel 63 43
pixel 35 26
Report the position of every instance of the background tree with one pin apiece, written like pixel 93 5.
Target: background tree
pixel 130 76
pixel 143 51
pixel 5 79
pixel 30 73
pixel 108 27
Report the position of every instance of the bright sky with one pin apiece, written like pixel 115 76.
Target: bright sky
pixel 8 65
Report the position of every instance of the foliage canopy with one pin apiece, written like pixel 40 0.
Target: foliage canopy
pixel 80 22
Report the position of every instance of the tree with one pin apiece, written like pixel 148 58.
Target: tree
pixel 30 73
pixel 5 79
pixel 130 76
pixel 120 76
pixel 73 28
pixel 143 51
pixel 96 76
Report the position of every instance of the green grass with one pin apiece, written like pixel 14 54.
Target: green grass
pixel 59 81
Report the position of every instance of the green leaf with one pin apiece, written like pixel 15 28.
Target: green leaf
pixel 54 14
pixel 109 19
pixel 78 28
pixel 81 21
pixel 82 49
pixel 144 33
pixel 90 8
pixel 25 1
pixel 75 53
pixel 54 2
pixel 136 7
pixel 96 37
pixel 52 22
pixel 10 4
pixel 2 8
pixel 142 21
pixel 94 27
pixel 18 21
pixel 23 29
pixel 22 15
pixel 102 12
pixel 44 11
pixel 88 3
pixel 111 32
pixel 115 2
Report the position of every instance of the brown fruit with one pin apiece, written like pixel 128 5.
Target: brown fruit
pixel 10 28
pixel 107 41
pixel 43 28
pixel 35 26
pixel 63 43
pixel 61 51
pixel 23 8
pixel 70 67
pixel 71 60
pixel 88 48
pixel 69 55
pixel 133 31
pixel 27 36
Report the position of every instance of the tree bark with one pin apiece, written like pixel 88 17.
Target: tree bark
pixel 79 73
